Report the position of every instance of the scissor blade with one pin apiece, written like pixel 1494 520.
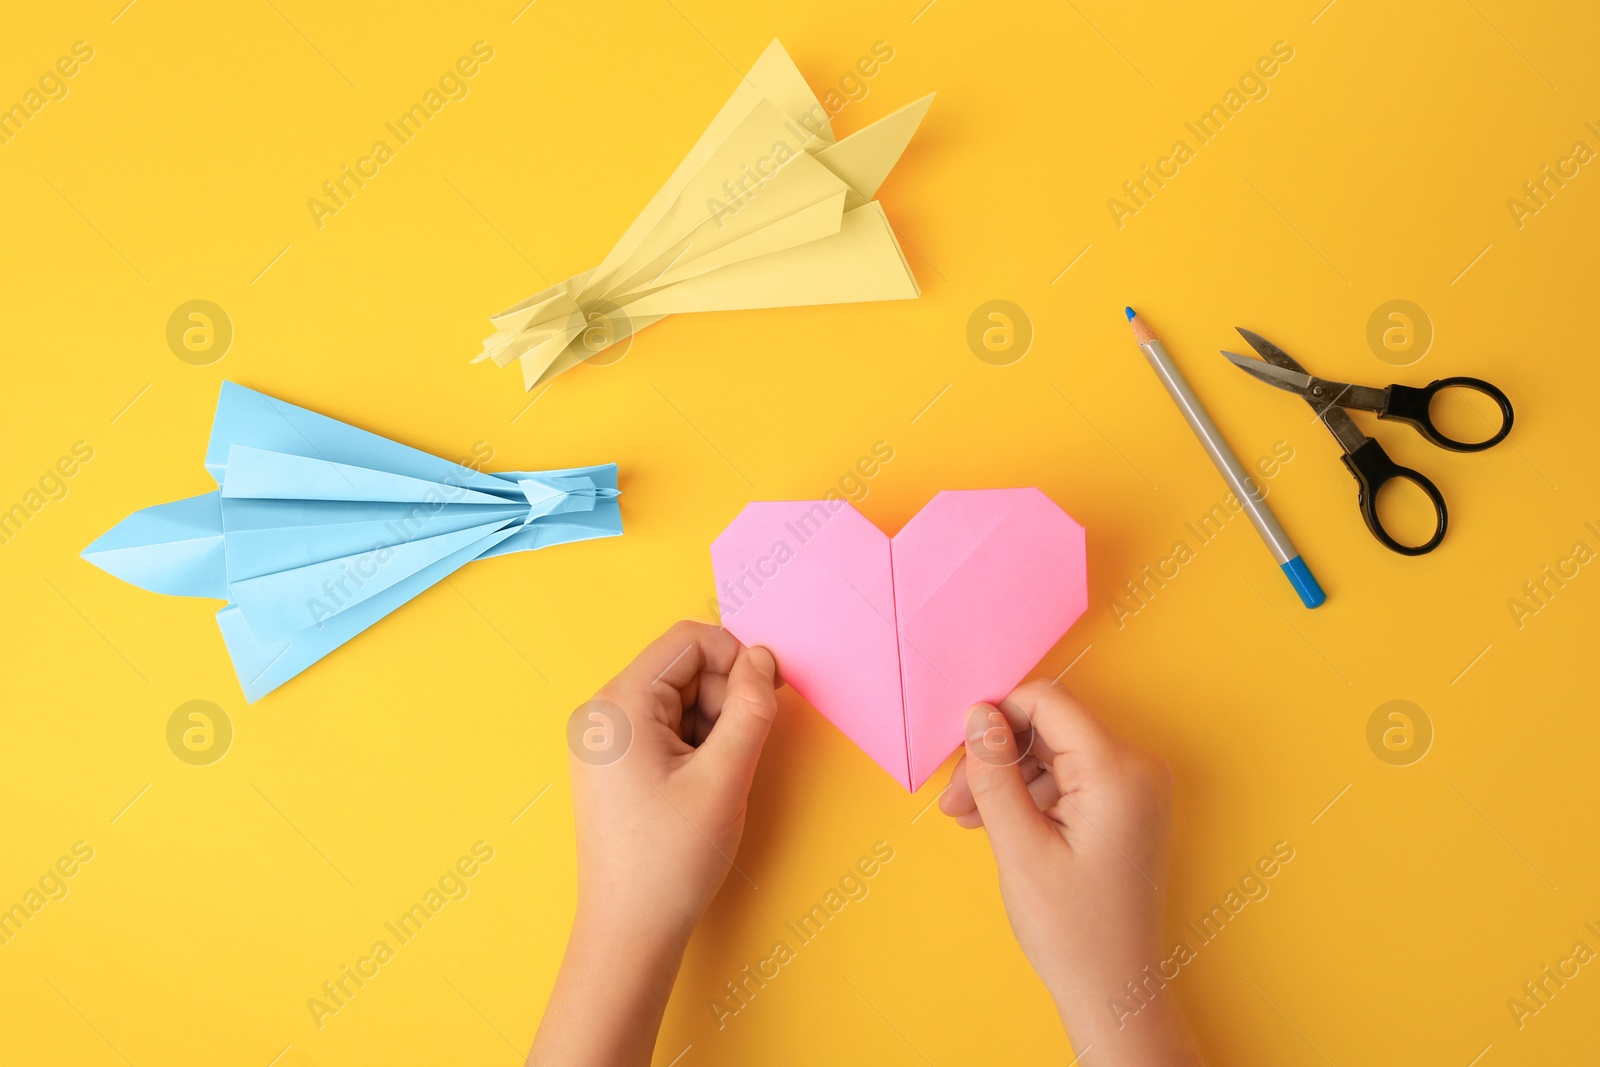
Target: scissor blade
pixel 1282 371
pixel 1269 351
pixel 1292 381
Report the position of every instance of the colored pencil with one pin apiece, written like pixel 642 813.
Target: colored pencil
pixel 1234 473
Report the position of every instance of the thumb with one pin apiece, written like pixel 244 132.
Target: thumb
pixel 994 774
pixel 748 708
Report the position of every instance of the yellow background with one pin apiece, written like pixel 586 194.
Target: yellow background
pixel 1378 167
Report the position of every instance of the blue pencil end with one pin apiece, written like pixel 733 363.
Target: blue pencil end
pixel 1299 575
pixel 1130 313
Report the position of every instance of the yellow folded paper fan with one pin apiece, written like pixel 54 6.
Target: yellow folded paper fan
pixel 767 210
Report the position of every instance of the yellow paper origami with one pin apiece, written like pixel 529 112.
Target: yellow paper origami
pixel 767 210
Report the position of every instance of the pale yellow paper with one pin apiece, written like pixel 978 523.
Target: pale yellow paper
pixel 861 262
pixel 865 158
pixel 767 210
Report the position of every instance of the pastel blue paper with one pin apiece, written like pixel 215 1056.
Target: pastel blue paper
pixel 267 540
pixel 246 417
pixel 262 667
pixel 171 548
pixel 320 529
pixel 254 474
pixel 278 605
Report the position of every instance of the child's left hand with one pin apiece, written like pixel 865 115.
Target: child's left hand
pixel 662 760
pixel 658 823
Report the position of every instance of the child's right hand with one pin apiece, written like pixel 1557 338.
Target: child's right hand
pixel 1078 820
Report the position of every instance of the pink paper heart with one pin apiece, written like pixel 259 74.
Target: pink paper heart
pixel 894 639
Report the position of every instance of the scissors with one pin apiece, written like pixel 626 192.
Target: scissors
pixel 1363 456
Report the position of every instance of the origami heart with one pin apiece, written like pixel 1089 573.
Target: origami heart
pixel 894 639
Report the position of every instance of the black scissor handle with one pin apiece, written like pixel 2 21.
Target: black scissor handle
pixel 1410 405
pixel 1372 468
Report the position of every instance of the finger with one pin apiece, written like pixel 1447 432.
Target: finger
pixel 748 708
pixel 664 678
pixel 1016 826
pixel 1061 724
pixel 959 800
pixel 714 689
pixel 1044 791
pixel 707 707
pixel 956 800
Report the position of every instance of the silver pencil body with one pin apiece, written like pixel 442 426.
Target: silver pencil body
pixel 1244 487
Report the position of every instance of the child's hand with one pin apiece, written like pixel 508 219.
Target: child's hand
pixel 659 823
pixel 662 760
pixel 1078 820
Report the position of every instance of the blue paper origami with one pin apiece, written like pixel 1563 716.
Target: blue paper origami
pixel 321 529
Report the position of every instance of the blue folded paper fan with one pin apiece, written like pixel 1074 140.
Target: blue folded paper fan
pixel 320 529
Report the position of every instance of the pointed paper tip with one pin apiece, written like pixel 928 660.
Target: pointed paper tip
pixel 173 548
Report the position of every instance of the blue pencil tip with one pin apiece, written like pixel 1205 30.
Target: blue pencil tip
pixel 1130 313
